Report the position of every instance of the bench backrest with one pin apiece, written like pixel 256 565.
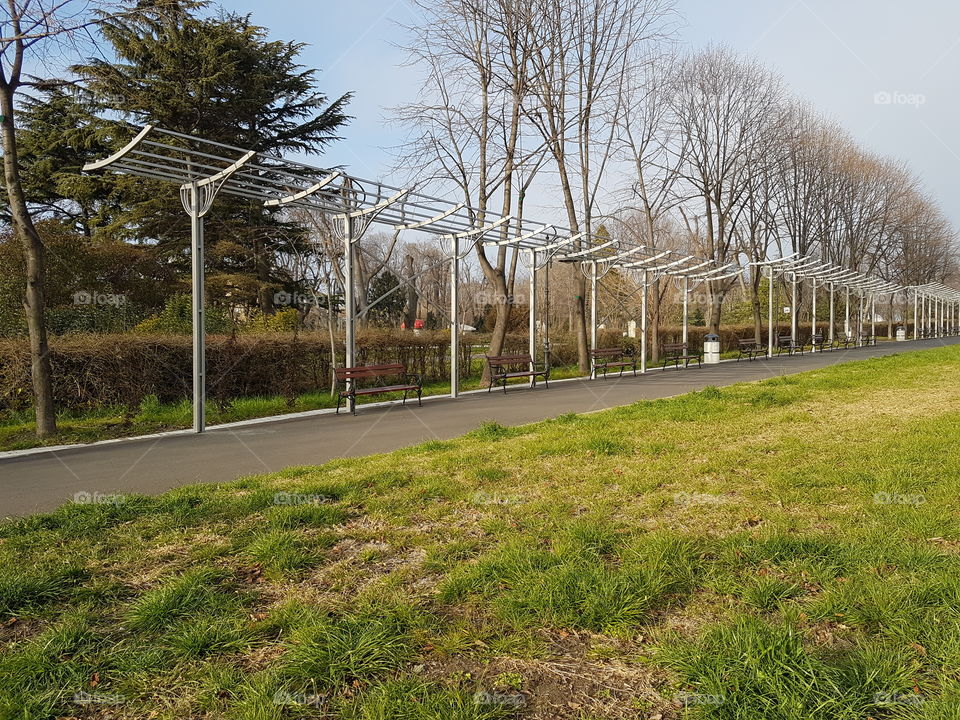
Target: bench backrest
pixel 368 371
pixel 509 359
pixel 607 352
pixel 748 344
pixel 785 339
pixel 674 347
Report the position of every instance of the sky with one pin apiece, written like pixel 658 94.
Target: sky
pixel 886 70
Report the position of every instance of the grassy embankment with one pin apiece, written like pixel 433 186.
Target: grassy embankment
pixel 780 550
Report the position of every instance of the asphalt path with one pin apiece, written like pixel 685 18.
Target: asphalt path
pixel 41 480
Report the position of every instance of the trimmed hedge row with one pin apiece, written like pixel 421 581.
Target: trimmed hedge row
pixel 92 371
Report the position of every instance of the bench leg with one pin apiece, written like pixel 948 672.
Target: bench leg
pixel 420 396
pixel 339 400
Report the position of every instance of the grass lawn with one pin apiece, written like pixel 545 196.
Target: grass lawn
pixel 18 429
pixel 782 550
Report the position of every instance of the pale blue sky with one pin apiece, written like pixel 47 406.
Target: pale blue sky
pixel 836 53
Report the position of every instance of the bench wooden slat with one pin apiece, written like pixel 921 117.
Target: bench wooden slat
pixel 348 376
pixel 675 352
pixel 603 359
pixel 505 367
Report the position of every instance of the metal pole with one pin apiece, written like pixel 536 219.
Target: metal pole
pixel 454 317
pixel 643 326
pixel 198 305
pixel 916 314
pixel 686 308
pixel 793 308
pixel 813 314
pixel 873 317
pixel 860 311
pixel 546 313
pixel 832 313
pixel 349 304
pixel 593 307
pixel 532 326
pixel 846 321
pixel 770 317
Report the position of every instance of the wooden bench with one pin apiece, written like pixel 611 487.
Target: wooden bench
pixel 785 342
pixel 675 352
pixel 605 359
pixel 347 380
pixel 818 342
pixel 866 339
pixel 750 349
pixel 508 367
pixel 843 341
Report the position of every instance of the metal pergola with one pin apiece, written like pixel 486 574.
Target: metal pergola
pixel 205 168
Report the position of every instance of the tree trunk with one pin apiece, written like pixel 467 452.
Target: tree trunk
pixel 580 324
pixel 757 311
pixel 33 298
pixel 500 327
pixel 410 312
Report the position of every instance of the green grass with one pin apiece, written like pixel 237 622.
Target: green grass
pixel 784 549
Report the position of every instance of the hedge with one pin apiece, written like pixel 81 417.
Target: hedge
pixel 92 371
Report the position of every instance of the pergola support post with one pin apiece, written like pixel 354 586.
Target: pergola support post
pixel 454 317
pixel 770 317
pixel 643 324
pixel 916 314
pixel 832 313
pixel 846 315
pixel 198 302
pixel 349 303
pixel 686 309
pixel 593 310
pixel 532 317
pixel 813 313
pixel 793 308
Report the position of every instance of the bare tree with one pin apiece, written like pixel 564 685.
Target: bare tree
pixel 655 150
pixel 724 107
pixel 586 52
pixel 29 31
pixel 468 126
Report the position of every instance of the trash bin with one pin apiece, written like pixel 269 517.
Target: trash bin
pixel 711 349
pixel 901 334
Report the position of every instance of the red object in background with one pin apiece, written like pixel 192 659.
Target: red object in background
pixel 403 325
pixel 418 324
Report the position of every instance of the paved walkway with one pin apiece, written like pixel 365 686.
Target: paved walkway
pixel 41 481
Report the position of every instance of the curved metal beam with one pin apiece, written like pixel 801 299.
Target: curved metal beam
pixel 303 193
pixel 121 153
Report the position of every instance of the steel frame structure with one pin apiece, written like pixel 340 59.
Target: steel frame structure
pixel 203 169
